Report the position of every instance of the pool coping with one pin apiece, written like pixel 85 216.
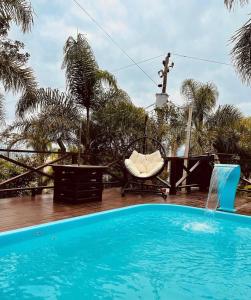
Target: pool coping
pixel 84 219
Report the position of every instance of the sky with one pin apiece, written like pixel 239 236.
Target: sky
pixel 144 29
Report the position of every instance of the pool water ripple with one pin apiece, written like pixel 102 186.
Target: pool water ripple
pixel 148 254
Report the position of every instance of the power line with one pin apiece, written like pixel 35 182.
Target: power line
pixel 111 38
pixel 202 59
pixel 175 54
pixel 138 62
pixel 149 106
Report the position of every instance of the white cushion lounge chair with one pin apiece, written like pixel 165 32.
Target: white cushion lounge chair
pixel 144 165
pixel 141 169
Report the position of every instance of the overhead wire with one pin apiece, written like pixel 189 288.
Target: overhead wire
pixel 134 63
pixel 113 41
pixel 174 54
pixel 202 59
pixel 138 62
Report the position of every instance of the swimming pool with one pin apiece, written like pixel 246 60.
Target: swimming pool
pixel 152 251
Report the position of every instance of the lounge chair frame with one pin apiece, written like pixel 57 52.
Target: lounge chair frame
pixel 138 185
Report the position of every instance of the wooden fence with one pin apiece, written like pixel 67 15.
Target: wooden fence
pixel 196 174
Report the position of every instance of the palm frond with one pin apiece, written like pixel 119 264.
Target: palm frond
pixel 226 116
pixel 2 110
pixel 203 96
pixel 52 115
pixel 107 78
pixel 241 52
pixel 81 69
pixel 230 3
pixel 15 77
pixel 42 99
pixel 189 88
pixel 20 11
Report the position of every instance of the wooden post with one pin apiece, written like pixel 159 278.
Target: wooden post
pixel 165 72
pixel 172 177
pixel 145 133
pixel 74 158
pixel 188 138
pixel 79 143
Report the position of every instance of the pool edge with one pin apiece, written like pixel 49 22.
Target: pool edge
pixel 117 211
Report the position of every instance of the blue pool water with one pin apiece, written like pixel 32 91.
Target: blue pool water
pixel 141 252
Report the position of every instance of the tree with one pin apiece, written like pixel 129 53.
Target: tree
pixel 55 114
pixel 223 128
pixel 170 126
pixel 87 89
pixel 214 129
pixel 19 11
pixel 245 136
pixel 203 97
pixel 117 124
pixel 14 75
pixel 83 77
pixel 242 44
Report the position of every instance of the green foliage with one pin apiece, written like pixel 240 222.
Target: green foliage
pixel 18 11
pixel 245 136
pixel 224 128
pixel 213 130
pixel 203 96
pixel 14 75
pixel 62 113
pixel 55 115
pixel 241 51
pixel 9 170
pixel 116 124
pixel 242 43
pixel 169 126
pixel 83 77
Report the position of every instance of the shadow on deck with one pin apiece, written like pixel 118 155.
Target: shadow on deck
pixel 26 211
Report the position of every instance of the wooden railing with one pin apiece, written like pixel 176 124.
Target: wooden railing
pixel 196 174
pixel 63 156
pixel 31 169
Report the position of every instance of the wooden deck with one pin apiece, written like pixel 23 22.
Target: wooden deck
pixel 27 211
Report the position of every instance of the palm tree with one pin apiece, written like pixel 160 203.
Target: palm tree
pixel 203 97
pixel 83 77
pixel 170 127
pixel 19 11
pixel 223 128
pixel 14 75
pixel 55 114
pixel 242 45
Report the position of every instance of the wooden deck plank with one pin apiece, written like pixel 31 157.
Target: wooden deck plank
pixel 26 211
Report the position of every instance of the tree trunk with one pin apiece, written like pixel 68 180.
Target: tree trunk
pixel 87 127
pixel 174 149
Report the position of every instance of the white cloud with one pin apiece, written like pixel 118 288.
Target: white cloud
pixel 144 28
